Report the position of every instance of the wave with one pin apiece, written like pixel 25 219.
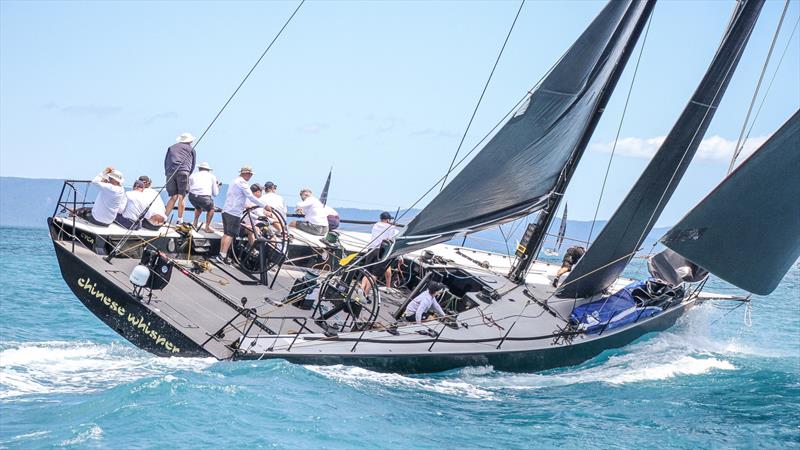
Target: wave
pixel 687 350
pixel 55 367
pixel 358 377
pixel 93 433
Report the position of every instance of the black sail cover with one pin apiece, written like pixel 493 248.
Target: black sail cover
pixel 747 230
pixel 624 233
pixel 516 171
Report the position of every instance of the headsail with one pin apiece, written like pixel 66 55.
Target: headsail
pixel 517 170
pixel 562 229
pixel 747 230
pixel 626 230
pixel 323 197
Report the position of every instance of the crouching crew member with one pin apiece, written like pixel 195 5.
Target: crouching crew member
pixel 571 258
pixel 417 309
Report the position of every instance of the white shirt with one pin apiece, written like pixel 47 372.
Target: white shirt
pixel 157 208
pixel 275 201
pixel 382 231
pixel 314 211
pixel 137 202
pixel 238 192
pixel 109 200
pixel 421 304
pixel 256 212
pixel 203 182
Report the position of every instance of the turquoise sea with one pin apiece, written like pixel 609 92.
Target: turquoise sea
pixel 66 380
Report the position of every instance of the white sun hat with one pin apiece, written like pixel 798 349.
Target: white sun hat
pixel 116 175
pixel 204 165
pixel 185 138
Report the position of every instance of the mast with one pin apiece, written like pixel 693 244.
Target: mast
pixel 537 232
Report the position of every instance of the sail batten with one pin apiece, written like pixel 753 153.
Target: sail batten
pixel 624 233
pixel 518 170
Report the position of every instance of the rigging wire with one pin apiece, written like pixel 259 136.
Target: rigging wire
pixel 619 128
pixel 485 136
pixel 197 142
pixel 654 215
pixel 772 80
pixel 740 142
pixel 483 92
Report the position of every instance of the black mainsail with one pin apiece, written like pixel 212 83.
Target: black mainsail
pixel 726 232
pixel 517 171
pixel 323 196
pixel 624 233
pixel 562 230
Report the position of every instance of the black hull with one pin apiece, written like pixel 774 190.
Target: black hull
pixel 145 329
pixel 122 312
pixel 512 361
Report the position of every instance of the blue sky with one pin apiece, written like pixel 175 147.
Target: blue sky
pixel 382 91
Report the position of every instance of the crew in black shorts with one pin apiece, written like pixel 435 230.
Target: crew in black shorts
pixel 202 202
pixel 571 257
pixel 178 184
pixel 231 225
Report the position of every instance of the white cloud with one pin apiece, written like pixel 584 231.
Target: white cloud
pixel 714 148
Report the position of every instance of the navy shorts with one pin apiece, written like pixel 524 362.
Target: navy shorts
pixel 178 184
pixel 230 225
pixel 202 202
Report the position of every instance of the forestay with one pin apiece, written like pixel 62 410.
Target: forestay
pixel 515 173
pixel 624 233
pixel 725 233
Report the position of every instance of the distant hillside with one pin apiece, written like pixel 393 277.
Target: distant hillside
pixel 27 202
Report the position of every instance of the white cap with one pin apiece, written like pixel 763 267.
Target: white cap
pixel 204 165
pixel 185 138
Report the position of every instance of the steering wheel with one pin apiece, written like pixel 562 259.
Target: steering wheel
pixel 269 237
pixel 341 304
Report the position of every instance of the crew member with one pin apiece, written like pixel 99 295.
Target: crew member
pixel 571 258
pixel 110 198
pixel 381 231
pixel 316 222
pixel 136 203
pixel 272 199
pixel 238 193
pixel 178 164
pixel 203 187
pixel 417 309
pixel 156 214
pixel 333 218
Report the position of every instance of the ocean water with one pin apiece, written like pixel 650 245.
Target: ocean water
pixel 66 380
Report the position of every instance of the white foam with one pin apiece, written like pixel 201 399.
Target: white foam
pixel 94 433
pixel 358 377
pixel 686 365
pixel 67 367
